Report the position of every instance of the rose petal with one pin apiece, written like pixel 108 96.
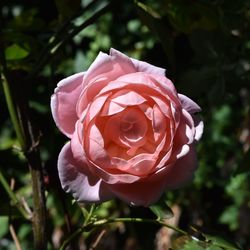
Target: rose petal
pixel 148 190
pixel 186 131
pixel 83 186
pixel 188 104
pixel 140 80
pixel 133 127
pixel 199 126
pixel 158 124
pixel 77 144
pixel 163 105
pixel 103 70
pixel 164 83
pixel 111 108
pixel 95 148
pixel 148 68
pixel 112 66
pixel 147 110
pixel 183 170
pixel 63 103
pixel 139 193
pixel 113 177
pixel 140 165
pixel 95 107
pixel 128 98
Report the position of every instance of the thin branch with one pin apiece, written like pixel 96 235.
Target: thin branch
pixel 14 236
pixel 18 109
pixel 10 103
pixel 53 47
pixel 138 220
pixel 13 197
pixel 98 239
pixel 115 220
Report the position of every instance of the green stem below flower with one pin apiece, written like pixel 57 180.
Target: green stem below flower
pixel 103 222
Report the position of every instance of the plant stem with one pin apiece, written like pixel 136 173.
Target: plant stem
pixel 53 46
pixel 115 220
pixel 39 208
pixel 18 109
pixel 138 220
pixel 13 197
pixel 89 216
pixel 12 111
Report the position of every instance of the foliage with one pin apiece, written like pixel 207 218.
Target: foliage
pixel 205 46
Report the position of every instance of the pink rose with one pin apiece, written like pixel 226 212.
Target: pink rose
pixel 131 134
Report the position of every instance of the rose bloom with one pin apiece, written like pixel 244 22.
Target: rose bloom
pixel 131 134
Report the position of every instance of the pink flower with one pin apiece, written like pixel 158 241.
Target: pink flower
pixel 131 134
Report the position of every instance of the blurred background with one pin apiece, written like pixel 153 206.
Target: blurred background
pixel 205 47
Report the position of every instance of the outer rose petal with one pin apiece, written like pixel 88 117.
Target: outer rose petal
pixel 63 103
pixel 183 170
pixel 139 193
pixel 107 68
pixel 146 67
pixel 189 104
pixel 84 188
pixel 199 126
pixel 111 66
pixel 192 107
pixel 149 190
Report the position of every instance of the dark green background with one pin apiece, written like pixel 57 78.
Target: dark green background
pixel 205 47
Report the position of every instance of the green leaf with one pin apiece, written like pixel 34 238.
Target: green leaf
pixel 162 211
pixel 193 245
pixel 85 212
pixel 15 52
pixel 220 242
pixel 186 242
pixel 4 221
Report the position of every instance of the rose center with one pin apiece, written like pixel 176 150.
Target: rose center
pixel 133 128
pixel 126 126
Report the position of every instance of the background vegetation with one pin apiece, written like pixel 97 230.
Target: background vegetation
pixel 205 47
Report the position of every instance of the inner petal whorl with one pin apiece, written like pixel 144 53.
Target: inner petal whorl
pixel 133 127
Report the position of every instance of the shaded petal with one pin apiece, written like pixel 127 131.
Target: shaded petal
pixel 139 165
pixel 164 106
pixel 147 110
pixel 111 108
pixel 77 144
pixel 142 66
pixel 128 98
pixel 164 83
pixel 188 104
pixel 186 132
pixel 159 124
pixel 183 170
pixel 63 103
pixel 95 148
pixel 113 178
pixel 149 190
pixel 140 193
pixel 156 84
pixel 83 186
pixel 199 127
pixel 95 107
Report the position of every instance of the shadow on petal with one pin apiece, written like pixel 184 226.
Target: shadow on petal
pixel 81 184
